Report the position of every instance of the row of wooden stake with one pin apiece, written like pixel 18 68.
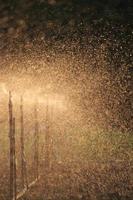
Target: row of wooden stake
pixel 13 177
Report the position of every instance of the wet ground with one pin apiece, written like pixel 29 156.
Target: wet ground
pixel 97 181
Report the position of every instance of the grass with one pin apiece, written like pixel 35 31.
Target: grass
pixel 100 146
pixel 88 166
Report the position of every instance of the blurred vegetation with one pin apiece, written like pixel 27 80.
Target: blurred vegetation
pixel 70 26
pixel 100 146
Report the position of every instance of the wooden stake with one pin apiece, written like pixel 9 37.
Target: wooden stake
pixel 36 143
pixel 47 140
pixel 23 160
pixel 12 151
pixel 14 164
pixel 22 142
pixel 11 144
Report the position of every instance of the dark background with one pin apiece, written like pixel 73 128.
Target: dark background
pixel 24 23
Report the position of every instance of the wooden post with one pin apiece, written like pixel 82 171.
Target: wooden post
pixel 12 151
pixel 23 160
pixel 11 144
pixel 36 143
pixel 14 163
pixel 52 153
pixel 47 140
pixel 50 134
pixel 22 142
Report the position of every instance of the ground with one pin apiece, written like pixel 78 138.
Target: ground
pixel 95 181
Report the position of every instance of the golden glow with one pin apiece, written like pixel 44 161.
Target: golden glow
pixel 33 95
